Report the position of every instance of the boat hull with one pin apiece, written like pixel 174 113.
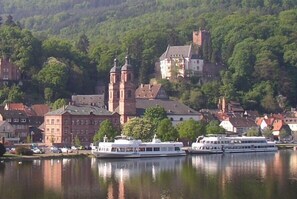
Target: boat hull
pixel 193 151
pixel 135 155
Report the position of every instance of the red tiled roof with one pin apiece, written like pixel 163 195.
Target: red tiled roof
pixel 15 106
pixel 40 109
pixel 148 91
pixel 277 125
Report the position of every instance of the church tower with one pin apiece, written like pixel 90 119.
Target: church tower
pixel 127 102
pixel 114 87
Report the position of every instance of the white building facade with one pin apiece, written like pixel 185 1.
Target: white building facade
pixel 180 61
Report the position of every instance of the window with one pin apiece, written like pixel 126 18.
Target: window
pixel 23 120
pixel 52 121
pixel 15 120
pixel 156 149
pixel 129 93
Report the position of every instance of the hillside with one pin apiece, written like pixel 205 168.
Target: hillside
pixel 255 39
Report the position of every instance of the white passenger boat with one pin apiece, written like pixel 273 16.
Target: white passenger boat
pixel 126 147
pixel 224 144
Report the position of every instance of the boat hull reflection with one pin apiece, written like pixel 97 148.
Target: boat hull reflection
pixel 123 169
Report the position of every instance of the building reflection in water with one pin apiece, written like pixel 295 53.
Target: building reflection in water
pixel 126 169
pixel 53 174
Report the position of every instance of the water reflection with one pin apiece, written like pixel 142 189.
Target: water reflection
pixel 232 164
pixel 123 170
pixel 229 176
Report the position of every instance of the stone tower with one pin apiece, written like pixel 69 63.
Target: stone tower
pixel 127 102
pixel 114 87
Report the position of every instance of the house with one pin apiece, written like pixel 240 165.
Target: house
pixel 63 126
pixel 19 120
pixel 279 126
pixel 8 71
pixel 238 125
pixel 35 115
pixel 8 133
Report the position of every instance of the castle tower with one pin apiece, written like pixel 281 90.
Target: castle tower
pixel 127 103
pixel 114 87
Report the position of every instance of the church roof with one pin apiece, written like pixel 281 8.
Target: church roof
pixel 127 65
pixel 171 107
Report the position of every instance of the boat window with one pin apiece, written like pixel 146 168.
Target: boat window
pixel 113 149
pixel 149 149
pixel 141 149
pixel 156 149
pixel 129 149
pixel 170 148
pixel 121 149
pixel 176 148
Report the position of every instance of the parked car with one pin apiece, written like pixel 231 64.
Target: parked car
pixel 55 150
pixel 66 150
pixel 74 148
pixel 36 150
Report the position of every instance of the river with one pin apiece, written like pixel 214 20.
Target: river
pixel 223 176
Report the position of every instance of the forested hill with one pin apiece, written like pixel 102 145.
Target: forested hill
pixel 254 39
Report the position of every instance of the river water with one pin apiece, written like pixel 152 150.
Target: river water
pixel 228 176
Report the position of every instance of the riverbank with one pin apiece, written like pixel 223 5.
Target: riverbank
pixel 78 154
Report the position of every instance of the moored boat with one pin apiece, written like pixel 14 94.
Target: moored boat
pixel 126 147
pixel 224 144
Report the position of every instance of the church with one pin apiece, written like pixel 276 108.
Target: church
pixel 130 102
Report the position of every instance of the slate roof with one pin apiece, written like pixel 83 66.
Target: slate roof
pixel 242 122
pixel 127 65
pixel 115 67
pixel 171 107
pixel 94 100
pixel 177 51
pixel 80 110
pixel 14 114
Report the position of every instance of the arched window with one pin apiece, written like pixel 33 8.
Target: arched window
pixel 128 77
pixel 129 93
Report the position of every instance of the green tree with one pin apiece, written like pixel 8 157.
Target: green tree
pixel 139 128
pixel 54 75
pixel 166 131
pixel 106 129
pixel 190 129
pixel 9 21
pixel 15 94
pixel 213 127
pixel 83 44
pixel 267 133
pixel 77 142
pixel 155 114
pixel 253 132
pixel 59 103
pixel 48 94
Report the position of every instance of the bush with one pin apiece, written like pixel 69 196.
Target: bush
pixel 2 150
pixel 23 151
